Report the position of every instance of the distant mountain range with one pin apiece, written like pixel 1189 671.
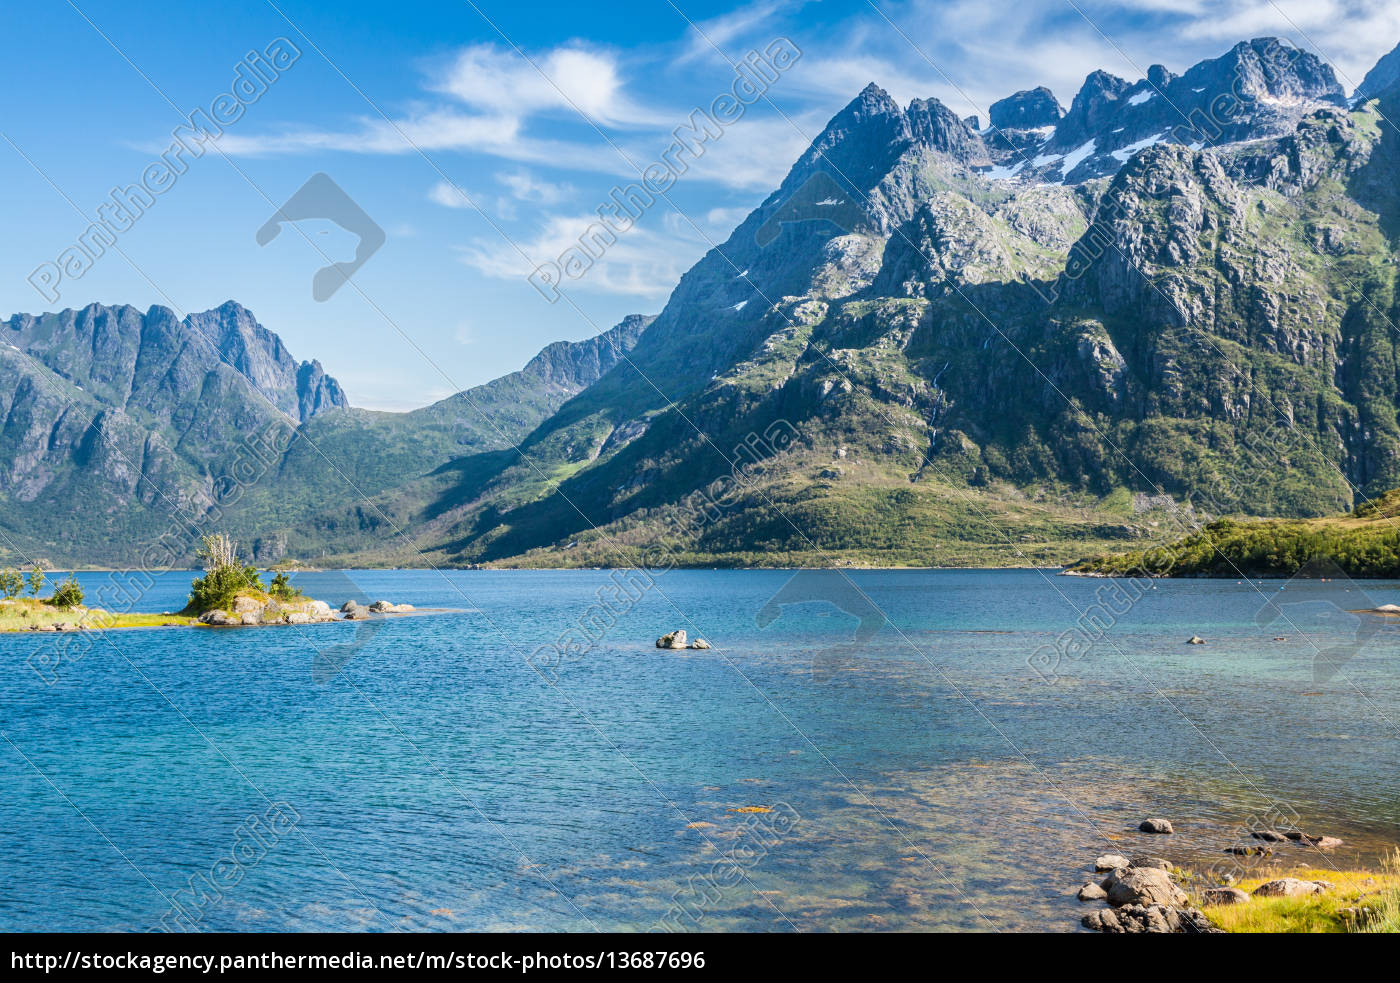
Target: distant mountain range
pixel 940 340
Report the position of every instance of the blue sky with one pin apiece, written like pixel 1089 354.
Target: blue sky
pixel 482 139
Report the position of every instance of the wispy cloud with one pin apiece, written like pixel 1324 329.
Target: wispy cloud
pixel 640 263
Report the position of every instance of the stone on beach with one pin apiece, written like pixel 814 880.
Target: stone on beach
pixel 1287 887
pixel 388 607
pixel 1224 896
pixel 1155 919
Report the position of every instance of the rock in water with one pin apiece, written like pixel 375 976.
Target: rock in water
pixel 673 640
pixel 699 643
pixel 1156 826
pixel 1092 892
pixel 1195 640
pixel 1110 861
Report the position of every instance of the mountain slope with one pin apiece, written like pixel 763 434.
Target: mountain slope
pixel 965 368
pixel 122 429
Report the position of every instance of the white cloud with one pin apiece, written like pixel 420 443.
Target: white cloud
pixel 639 263
pixel 568 80
pixel 737 25
pixel 526 187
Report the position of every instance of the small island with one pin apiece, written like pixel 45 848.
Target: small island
pixel 230 593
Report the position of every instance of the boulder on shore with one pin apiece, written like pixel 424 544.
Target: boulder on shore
pixel 1288 887
pixel 1142 886
pixel 1110 861
pixel 672 640
pixel 251 610
pixel 1158 862
pixel 1152 919
pixel 1224 896
pixel 388 607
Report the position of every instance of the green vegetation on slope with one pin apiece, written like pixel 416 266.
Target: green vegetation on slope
pixel 1362 543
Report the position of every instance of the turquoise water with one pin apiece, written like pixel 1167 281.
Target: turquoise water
pixel 921 773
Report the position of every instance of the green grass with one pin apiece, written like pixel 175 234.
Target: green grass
pixel 1375 894
pixel 1362 543
pixel 24 614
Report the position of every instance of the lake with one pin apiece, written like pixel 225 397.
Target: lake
pixel 934 751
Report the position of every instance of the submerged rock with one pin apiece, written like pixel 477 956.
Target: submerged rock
pixel 1321 842
pixel 1195 640
pixel 1156 826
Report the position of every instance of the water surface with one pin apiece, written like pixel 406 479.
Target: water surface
pixel 921 772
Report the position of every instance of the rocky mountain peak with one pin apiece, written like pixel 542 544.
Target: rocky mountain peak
pixel 1027 109
pixel 1273 69
pixel 1094 105
pixel 1385 74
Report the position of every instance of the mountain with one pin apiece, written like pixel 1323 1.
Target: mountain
pixel 922 348
pixel 1384 75
pixel 1260 88
pixel 969 366
pixel 121 427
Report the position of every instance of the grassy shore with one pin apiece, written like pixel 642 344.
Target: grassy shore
pixel 30 614
pixel 1362 543
pixel 1358 901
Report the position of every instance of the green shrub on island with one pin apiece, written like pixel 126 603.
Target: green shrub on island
pixel 36 580
pixel 225 576
pixel 11 583
pixel 281 586
pixel 68 594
